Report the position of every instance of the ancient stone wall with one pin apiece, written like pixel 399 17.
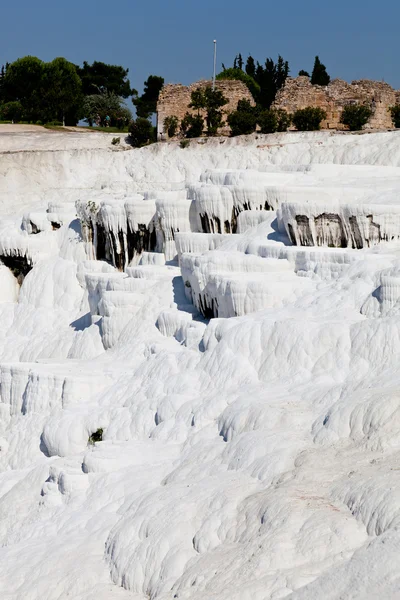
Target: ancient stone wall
pixel 379 96
pixel 175 98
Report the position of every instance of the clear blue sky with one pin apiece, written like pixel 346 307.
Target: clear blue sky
pixel 174 38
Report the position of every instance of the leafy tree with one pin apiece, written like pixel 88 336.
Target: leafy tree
pixel 240 62
pixel 61 93
pixel 100 77
pixel 197 100
pixel 271 79
pixel 214 100
pixel 11 111
pixel 23 82
pixel 251 67
pixel 146 104
pixel 238 75
pixel 211 101
pixel 303 73
pixel 243 120
pixel 319 75
pixel 99 106
pixel 268 121
pixel 272 120
pixel 355 116
pixel 284 119
pixel 395 114
pixel 171 125
pixel 308 119
pixel 141 132
pixel 192 125
pixel 2 82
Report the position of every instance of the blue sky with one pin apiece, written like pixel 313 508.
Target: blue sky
pixel 174 38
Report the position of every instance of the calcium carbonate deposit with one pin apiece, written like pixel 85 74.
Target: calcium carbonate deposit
pixel 200 368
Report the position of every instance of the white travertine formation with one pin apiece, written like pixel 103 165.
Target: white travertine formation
pixel 225 426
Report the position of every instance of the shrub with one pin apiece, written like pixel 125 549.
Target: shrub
pixel 171 125
pixel 243 120
pixel 308 119
pixel 355 116
pixel 55 123
pixel 184 143
pixel 268 121
pixel 192 125
pixel 11 111
pixel 284 119
pixel 272 120
pixel 96 436
pixel 141 132
pixel 115 141
pixel 395 114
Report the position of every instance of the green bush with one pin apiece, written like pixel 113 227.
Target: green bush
pixel 96 436
pixel 308 119
pixel 11 111
pixel 355 116
pixel 284 119
pixel 192 125
pixel 395 114
pixel 55 123
pixel 141 132
pixel 116 141
pixel 171 125
pixel 184 143
pixel 243 120
pixel 272 120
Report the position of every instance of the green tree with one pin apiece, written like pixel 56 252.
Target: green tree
pixel 192 125
pixel 211 101
pixel 146 104
pixel 308 119
pixel 319 75
pixel 99 106
pixel 141 132
pixel 355 116
pixel 303 73
pixel 61 92
pixel 251 67
pixel 243 120
pixel 23 83
pixel 395 114
pixel 271 79
pixel 101 77
pixel 214 101
pixel 2 82
pixel 170 125
pixel 11 111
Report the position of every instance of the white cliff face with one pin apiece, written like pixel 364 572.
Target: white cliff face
pixel 199 369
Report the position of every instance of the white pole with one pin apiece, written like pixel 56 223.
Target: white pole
pixel 215 62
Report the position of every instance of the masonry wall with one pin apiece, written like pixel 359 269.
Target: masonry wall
pixel 299 93
pixel 175 98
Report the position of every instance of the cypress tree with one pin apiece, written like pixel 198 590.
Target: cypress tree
pixel 319 75
pixel 251 67
pixel 240 62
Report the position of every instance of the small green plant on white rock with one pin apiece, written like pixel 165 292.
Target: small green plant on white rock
pixel 96 436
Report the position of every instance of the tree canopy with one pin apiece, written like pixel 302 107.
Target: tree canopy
pixel 101 77
pixel 146 104
pixel 319 75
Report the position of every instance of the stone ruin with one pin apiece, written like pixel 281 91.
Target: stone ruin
pixel 175 98
pixel 379 96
